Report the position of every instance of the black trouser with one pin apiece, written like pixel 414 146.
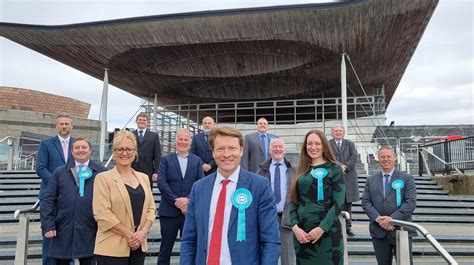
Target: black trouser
pixel 386 247
pixel 169 227
pixel 136 257
pixel 82 261
pixel 347 207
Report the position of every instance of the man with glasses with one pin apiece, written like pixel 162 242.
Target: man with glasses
pixel 148 149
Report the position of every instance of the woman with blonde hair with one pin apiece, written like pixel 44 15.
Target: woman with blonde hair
pixel 123 207
pixel 316 198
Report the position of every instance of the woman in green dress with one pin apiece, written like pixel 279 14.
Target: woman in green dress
pixel 316 199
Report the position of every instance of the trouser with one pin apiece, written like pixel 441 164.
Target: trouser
pixel 386 247
pixel 82 261
pixel 47 260
pixel 136 257
pixel 169 227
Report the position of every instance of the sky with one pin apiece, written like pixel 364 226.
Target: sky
pixel 436 89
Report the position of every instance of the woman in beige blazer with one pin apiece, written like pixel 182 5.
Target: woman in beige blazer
pixel 123 207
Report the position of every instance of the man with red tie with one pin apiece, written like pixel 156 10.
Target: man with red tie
pixel 231 217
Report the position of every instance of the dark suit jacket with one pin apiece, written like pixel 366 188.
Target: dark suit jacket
pixel 50 157
pixel 262 244
pixel 374 204
pixel 149 154
pixel 348 156
pixel 264 170
pixel 171 183
pixel 63 210
pixel 253 154
pixel 202 149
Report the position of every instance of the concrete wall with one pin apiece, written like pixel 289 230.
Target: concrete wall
pixel 13 122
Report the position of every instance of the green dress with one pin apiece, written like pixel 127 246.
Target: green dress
pixel 310 213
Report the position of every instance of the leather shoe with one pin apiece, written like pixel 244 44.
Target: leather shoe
pixel 349 232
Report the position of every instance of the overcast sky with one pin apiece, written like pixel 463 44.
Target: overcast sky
pixel 437 87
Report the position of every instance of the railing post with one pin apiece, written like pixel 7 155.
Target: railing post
pixel 22 240
pixel 403 247
pixel 342 218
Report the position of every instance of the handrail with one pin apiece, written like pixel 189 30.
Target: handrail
pixel 21 251
pixel 6 138
pixel 441 250
pixel 32 209
pixel 441 160
pixel 343 217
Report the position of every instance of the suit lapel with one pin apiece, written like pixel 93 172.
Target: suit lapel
pixel 379 184
pixel 58 146
pixel 176 164
pixel 123 192
pixel 243 182
pixel 206 204
pixel 394 177
pixel 257 139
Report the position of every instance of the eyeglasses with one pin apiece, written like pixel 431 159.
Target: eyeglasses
pixel 124 149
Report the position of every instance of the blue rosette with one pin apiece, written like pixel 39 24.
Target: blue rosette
pixel 398 185
pixel 83 175
pixel 319 174
pixel 241 199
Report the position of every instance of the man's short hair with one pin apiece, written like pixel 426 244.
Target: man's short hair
pixel 387 147
pixel 225 131
pixel 143 115
pixel 81 138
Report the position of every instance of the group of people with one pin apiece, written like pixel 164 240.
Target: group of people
pixel 232 199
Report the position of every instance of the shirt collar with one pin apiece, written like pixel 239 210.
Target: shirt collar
pixel 61 139
pixel 234 177
pixel 389 173
pixel 186 156
pixel 282 162
pixel 85 164
pixel 260 134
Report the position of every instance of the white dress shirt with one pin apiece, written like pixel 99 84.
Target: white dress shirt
pixel 183 163
pixel 230 188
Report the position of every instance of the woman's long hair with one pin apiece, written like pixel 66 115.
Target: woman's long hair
pixel 304 163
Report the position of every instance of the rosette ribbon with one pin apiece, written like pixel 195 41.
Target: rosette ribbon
pixel 84 173
pixel 241 199
pixel 319 174
pixel 398 185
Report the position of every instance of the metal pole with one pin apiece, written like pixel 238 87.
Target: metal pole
pixel 403 247
pixel 344 92
pixel 11 150
pixel 21 251
pixel 103 116
pixel 155 111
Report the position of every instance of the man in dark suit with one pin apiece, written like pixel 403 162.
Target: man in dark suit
pixel 53 152
pixel 256 147
pixel 232 217
pixel 178 172
pixel 200 146
pixel 66 201
pixel 347 156
pixel 279 171
pixel 148 149
pixel 382 202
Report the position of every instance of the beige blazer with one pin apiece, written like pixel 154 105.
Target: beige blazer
pixel 111 206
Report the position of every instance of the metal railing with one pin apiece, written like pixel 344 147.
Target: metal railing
pixel 343 217
pixel 403 251
pixel 21 253
pixel 447 156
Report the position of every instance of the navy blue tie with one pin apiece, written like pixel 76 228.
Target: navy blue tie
pixel 387 185
pixel 140 136
pixel 262 143
pixel 276 183
pixel 205 138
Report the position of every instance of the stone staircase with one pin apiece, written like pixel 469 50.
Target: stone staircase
pixel 449 218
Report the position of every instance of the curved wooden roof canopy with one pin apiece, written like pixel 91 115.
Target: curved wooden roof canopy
pixel 266 53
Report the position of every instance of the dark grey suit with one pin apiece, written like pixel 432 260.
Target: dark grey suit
pixel 286 233
pixel 253 154
pixel 375 205
pixel 347 155
pixel 149 154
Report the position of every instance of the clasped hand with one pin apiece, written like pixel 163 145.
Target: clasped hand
pixel 384 222
pixel 312 237
pixel 137 239
pixel 182 204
